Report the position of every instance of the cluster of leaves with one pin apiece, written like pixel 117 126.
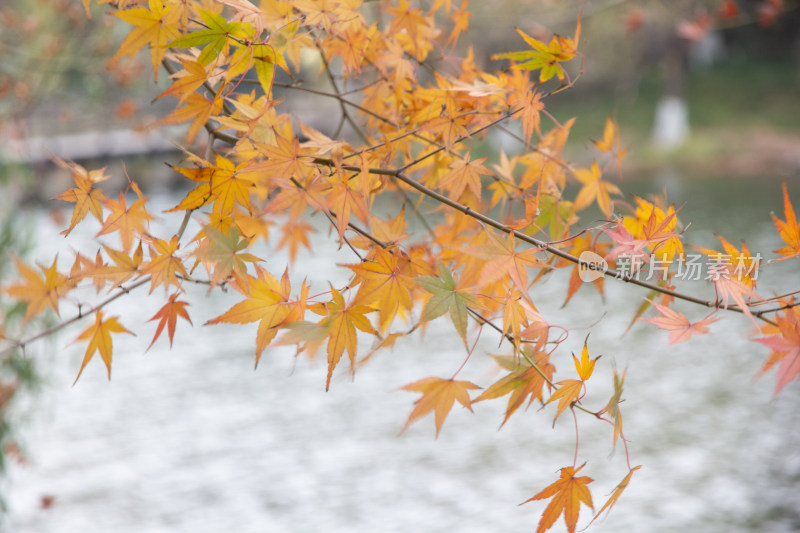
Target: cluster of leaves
pixel 409 114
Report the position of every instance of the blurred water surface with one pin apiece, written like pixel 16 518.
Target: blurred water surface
pixel 194 440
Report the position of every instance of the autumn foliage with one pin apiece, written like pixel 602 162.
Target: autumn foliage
pixel 408 130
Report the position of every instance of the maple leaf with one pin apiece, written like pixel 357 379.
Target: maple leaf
pixel 84 195
pixel 621 486
pixel 785 346
pixel 265 304
pixel 295 234
pixel 568 392
pixel 163 266
pixel 609 136
pixel 741 266
pixel 156 25
pixel 447 298
pixel 678 324
pixel 345 198
pixel 383 285
pixel 568 493
pixel 84 267
pixel 585 366
pixel 168 316
pixel 612 407
pixel 196 108
pixel 221 253
pixel 99 335
pixel 545 57
pixel 125 266
pixel 186 81
pixel 504 259
pixel 438 394
pixel 789 229
pixel 284 160
pixel 341 325
pixel 530 118
pixel 734 274
pixel 129 221
pixel 654 228
pixel 407 19
pixel 594 189
pixel 39 291
pixel 465 174
pixel 523 381
pixel 505 186
pixel 460 23
pixel 225 185
pixel 213 36
pixel 581 245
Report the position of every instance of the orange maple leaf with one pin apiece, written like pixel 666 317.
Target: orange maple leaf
pixel 784 341
pixel 345 198
pixel 39 291
pixel 129 221
pixel 99 335
pixel 465 174
pixel 523 381
pixel 439 394
pixel 198 109
pixel 503 259
pixel 789 229
pixel 294 234
pixel 168 316
pixel 84 195
pixel 678 324
pixel 568 392
pixel 581 244
pixel 284 160
pixel 341 324
pixel 568 493
pixel 186 81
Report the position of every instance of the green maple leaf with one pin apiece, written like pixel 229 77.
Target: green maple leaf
pixel 222 254
pixel 447 298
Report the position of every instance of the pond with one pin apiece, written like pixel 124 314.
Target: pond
pixel 194 440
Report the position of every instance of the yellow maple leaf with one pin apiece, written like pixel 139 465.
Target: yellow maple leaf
pixel 155 25
pixel 39 291
pixel 163 266
pixel 341 325
pixel 594 188
pixel 383 285
pixel 99 335
pixel 265 304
